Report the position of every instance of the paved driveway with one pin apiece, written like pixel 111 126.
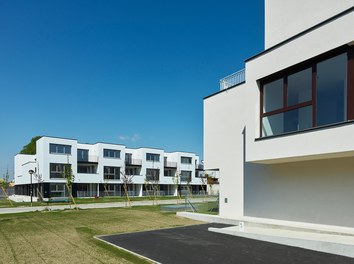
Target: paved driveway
pixel 195 244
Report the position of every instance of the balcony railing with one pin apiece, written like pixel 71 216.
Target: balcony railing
pixel 137 162
pixel 170 164
pixel 90 158
pixel 233 79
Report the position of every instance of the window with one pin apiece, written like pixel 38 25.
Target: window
pixel 152 174
pixel 152 157
pixel 82 154
pixel 59 149
pixel 313 95
pixel 331 90
pixel 132 171
pixel 186 160
pixel 128 158
pixel 169 172
pixel 57 190
pixel 89 169
pixel 111 153
pixel 111 173
pixel 57 170
pixel 186 176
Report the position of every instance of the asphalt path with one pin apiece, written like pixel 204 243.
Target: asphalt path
pixel 195 244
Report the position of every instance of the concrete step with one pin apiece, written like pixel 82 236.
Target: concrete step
pixel 318 240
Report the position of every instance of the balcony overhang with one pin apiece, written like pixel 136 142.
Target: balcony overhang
pixel 321 143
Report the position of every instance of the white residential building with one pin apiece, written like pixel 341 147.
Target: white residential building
pixel 280 132
pixel 99 170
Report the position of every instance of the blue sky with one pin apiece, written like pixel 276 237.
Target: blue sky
pixel 128 72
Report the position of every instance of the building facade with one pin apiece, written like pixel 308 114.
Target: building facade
pixel 101 169
pixel 280 131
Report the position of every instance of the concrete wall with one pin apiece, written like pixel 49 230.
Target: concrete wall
pixel 284 19
pixel 225 117
pixel 312 191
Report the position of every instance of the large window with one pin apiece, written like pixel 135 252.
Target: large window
pixel 87 168
pixel 57 170
pixel 82 154
pixel 186 176
pixel 111 153
pixel 57 190
pixel 152 157
pixel 186 160
pixel 310 96
pixel 59 149
pixel 111 173
pixel 152 174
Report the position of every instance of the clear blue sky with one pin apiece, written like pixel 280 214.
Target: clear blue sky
pixel 130 72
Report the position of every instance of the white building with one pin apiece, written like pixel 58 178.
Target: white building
pixel 99 170
pixel 280 132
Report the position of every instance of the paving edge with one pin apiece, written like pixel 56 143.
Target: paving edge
pixel 321 246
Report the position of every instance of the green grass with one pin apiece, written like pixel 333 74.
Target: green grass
pixel 68 236
pixel 5 203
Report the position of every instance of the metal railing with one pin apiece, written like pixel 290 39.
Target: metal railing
pixel 233 79
pixel 89 158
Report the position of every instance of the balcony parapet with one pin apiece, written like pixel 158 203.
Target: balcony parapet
pixel 136 162
pixel 170 164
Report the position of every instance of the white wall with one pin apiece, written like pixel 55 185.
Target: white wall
pixel 225 117
pixel 313 191
pixel 284 19
pixel 23 163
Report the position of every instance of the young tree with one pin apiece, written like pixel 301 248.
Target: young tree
pixel 39 179
pixel 203 182
pixel 176 181
pixel 127 180
pixel 70 179
pixel 105 186
pixel 152 181
pixel 5 182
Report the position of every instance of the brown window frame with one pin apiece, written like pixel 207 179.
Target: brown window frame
pixel 312 63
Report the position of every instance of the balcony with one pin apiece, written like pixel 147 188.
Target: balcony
pixel 233 79
pixel 133 162
pixel 87 159
pixel 170 164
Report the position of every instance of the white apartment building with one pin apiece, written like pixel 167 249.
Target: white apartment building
pixel 280 132
pixel 99 170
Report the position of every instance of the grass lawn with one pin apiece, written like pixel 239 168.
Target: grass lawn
pixel 67 236
pixel 5 203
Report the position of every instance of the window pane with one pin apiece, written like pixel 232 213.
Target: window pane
pixel 294 120
pixel 273 125
pixel 273 96
pixel 330 90
pixel 298 119
pixel 299 87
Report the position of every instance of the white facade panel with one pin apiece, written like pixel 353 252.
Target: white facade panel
pixel 284 19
